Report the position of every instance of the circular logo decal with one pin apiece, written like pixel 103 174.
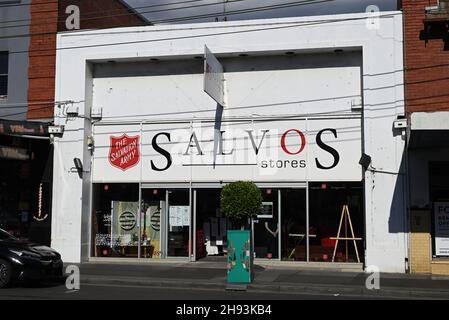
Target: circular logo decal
pixel 127 220
pixel 156 220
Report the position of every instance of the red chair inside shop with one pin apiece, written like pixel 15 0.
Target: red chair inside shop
pixel 328 244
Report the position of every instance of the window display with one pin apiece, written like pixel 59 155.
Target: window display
pixel 115 230
pixel 326 203
pixel 160 226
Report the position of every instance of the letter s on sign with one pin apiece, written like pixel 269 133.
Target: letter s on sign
pixel 162 151
pixel 302 138
pixel 327 148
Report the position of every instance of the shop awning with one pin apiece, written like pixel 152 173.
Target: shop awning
pixel 429 130
pixel 23 128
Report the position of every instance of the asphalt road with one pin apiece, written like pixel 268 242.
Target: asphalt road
pixel 129 292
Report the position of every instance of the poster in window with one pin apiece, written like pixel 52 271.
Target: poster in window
pixel 441 213
pixel 179 216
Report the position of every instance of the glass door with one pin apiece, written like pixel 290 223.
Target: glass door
pixel 151 216
pixel 178 224
pixel 211 225
pixel 266 226
pixel 294 225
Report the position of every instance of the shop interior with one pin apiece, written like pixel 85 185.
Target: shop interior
pixel 25 188
pixel 438 192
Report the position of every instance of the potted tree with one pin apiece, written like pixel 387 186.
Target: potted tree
pixel 240 201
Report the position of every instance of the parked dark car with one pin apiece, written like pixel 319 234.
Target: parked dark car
pixel 24 261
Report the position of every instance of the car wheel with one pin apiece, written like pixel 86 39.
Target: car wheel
pixel 5 273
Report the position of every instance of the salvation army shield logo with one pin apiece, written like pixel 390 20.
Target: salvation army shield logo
pixel 124 151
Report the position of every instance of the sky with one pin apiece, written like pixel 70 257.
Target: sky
pixel 190 11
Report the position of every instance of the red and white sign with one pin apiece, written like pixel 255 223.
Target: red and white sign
pixel 269 150
pixel 124 151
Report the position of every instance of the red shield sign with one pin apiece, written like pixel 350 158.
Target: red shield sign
pixel 124 151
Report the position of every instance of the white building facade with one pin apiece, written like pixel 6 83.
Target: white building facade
pixel 305 98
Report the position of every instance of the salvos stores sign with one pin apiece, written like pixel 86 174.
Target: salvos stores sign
pixel 281 150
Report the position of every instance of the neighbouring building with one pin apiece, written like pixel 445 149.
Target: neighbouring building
pixel 312 111
pixel 27 76
pixel 21 161
pixel 427 104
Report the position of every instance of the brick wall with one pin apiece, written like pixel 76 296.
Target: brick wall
pixel 440 268
pixel 47 18
pixel 426 61
pixel 42 56
pixel 100 14
pixel 420 254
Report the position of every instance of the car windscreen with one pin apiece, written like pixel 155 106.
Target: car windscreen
pixel 5 235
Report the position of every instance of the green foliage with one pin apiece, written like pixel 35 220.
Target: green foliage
pixel 240 201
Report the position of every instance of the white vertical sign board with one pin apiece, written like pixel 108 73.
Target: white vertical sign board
pixel 441 214
pixel 213 77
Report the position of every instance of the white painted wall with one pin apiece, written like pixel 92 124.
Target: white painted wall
pixel 303 84
pixel 382 94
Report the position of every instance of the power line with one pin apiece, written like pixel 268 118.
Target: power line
pixel 27 4
pixel 116 10
pixel 233 32
pixel 26 104
pixel 96 17
pixel 242 11
pixel 141 7
pixel 289 25
pixel 144 7
pixel 51 104
pixel 214 27
pixel 47 105
pixel 186 18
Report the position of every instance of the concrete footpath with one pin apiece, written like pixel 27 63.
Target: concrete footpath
pixel 268 278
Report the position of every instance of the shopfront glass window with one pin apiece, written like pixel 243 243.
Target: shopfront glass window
pixel 327 201
pixel 115 230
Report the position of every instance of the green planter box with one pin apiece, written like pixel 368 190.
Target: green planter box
pixel 240 257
